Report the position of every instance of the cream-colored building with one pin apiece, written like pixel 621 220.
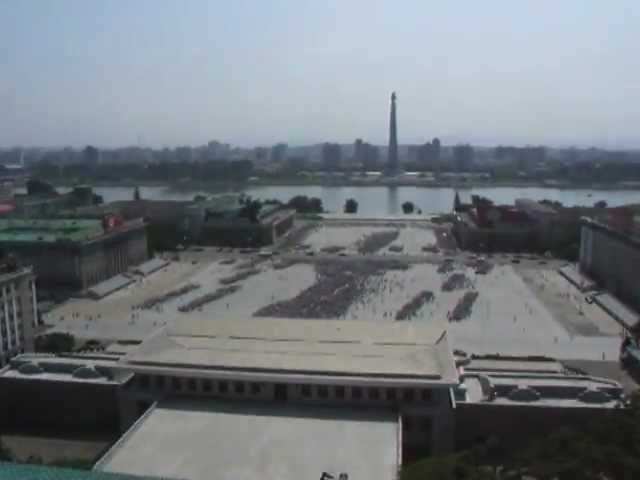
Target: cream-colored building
pixel 18 312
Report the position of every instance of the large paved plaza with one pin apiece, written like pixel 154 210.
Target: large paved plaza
pixel 379 272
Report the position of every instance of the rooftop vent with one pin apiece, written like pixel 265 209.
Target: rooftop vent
pixel 86 372
pixel 594 396
pixel 30 368
pixel 523 394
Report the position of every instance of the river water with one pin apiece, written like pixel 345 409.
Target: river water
pixel 388 200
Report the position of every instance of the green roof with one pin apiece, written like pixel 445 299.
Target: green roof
pixel 15 471
pixel 25 230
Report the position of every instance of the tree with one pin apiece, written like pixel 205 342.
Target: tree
pixel 351 206
pixel 40 187
pixel 90 155
pixel 55 343
pixel 251 210
pixel 136 193
pixel 304 204
pixel 600 204
pixel 408 207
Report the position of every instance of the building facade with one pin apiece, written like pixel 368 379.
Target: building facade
pixel 612 259
pixel 75 254
pixel 18 313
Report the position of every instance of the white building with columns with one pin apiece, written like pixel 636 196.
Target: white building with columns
pixel 18 312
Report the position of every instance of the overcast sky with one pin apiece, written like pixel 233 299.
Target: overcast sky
pixel 249 72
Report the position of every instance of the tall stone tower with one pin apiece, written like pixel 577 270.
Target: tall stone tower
pixel 392 160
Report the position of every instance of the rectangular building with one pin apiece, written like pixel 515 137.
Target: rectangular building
pixel 74 254
pixel 612 258
pixel 18 312
pixel 402 367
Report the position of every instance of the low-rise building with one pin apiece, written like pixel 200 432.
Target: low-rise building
pixel 74 254
pixel 491 228
pixel 515 400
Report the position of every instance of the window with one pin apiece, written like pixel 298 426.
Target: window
pixel 407 425
pixel 426 395
pixel 176 384
pixel 192 384
pixel 356 392
pixel 391 394
pixel 223 387
pixel 407 395
pixel 340 391
pixel 206 385
pixel 305 391
pixel 425 425
pixel 238 387
pixel 323 391
pixel 144 382
pixel 374 394
pixel 160 382
pixel 255 388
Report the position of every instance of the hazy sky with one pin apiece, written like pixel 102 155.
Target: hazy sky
pixel 160 72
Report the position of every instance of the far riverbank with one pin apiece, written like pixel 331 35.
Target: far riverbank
pixel 355 181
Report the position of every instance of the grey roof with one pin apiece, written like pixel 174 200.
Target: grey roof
pixel 109 286
pixel 151 266
pixel 252 440
pixel 402 351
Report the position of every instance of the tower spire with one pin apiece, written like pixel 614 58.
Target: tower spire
pixel 392 160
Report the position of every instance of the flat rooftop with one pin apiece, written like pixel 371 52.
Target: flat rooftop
pixel 399 351
pixel 248 441
pixel 23 230
pixel 48 367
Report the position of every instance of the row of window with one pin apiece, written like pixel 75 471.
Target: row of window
pixel 178 384
pixel 371 393
pixel 224 387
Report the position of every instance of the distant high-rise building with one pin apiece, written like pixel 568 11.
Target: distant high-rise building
pixel 463 157
pixel 260 155
pixel 331 156
pixel 392 160
pixel 279 152
pixel 357 151
pixel 370 155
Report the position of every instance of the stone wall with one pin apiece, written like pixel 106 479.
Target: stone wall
pixel 63 406
pixel 515 426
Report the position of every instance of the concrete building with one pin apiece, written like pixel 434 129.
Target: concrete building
pixel 331 156
pixel 399 366
pixel 491 228
pixel 73 393
pixel 611 257
pixel 18 312
pixel 287 398
pixel 515 400
pixel 74 254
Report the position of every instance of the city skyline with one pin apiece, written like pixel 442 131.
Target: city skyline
pixel 167 73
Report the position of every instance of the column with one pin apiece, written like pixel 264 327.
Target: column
pixel 1 348
pixel 15 314
pixel 34 302
pixel 6 317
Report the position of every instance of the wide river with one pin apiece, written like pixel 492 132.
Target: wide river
pixel 388 200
